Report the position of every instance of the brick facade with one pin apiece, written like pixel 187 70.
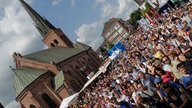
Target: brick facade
pixel 41 93
pixel 72 73
pixel 57 38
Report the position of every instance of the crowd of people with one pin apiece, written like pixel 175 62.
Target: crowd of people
pixel 155 71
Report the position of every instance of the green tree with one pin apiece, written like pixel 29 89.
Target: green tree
pixel 110 45
pixel 102 49
pixel 146 10
pixel 135 15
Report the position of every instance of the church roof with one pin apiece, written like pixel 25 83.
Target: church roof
pixel 108 25
pixel 55 54
pixel 81 46
pixel 58 80
pixel 24 76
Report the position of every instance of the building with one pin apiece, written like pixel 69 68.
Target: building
pixel 140 2
pixel 43 79
pixel 115 29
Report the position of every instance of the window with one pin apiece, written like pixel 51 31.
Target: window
pixel 75 86
pixel 116 26
pixel 52 45
pixel 120 30
pixel 107 35
pixel 32 106
pixel 78 81
pixel 112 37
pixel 125 35
pixel 56 42
pixel 49 101
pixel 70 92
pixel 111 30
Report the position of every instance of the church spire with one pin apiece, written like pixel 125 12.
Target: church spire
pixel 52 36
pixel 42 25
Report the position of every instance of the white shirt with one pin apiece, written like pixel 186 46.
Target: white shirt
pixel 167 67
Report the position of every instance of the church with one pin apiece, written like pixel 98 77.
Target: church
pixel 43 79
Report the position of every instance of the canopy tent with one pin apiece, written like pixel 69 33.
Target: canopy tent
pixel 101 69
pixel 114 54
pixel 115 50
pixel 117 46
pixel 67 101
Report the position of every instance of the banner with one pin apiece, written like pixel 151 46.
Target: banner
pixel 149 18
pixel 117 46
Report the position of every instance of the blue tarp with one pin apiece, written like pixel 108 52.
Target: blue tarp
pixel 116 47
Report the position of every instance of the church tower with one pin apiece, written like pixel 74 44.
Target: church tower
pixel 44 78
pixel 51 36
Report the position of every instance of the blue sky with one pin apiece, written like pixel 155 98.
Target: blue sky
pixel 80 20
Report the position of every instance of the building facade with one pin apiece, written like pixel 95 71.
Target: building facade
pixel 116 29
pixel 44 78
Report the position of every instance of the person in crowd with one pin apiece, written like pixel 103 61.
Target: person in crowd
pixel 175 99
pixel 184 44
pixel 147 79
pixel 174 62
pixel 186 78
pixel 148 73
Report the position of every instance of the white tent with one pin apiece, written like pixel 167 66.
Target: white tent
pixel 101 69
pixel 67 101
pixel 115 54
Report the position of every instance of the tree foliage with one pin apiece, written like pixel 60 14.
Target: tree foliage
pixel 146 10
pixel 135 15
pixel 110 45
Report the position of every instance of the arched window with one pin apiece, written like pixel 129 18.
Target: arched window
pixel 78 81
pixel 49 101
pixel 70 92
pixel 75 86
pixel 32 106
pixel 56 42
pixel 52 45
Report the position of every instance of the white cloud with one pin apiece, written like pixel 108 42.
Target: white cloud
pixel 17 34
pixel 89 34
pixel 121 9
pixel 55 2
pixel 100 1
pixel 72 3
pixel 12 104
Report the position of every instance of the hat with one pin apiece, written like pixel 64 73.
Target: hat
pixel 157 80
